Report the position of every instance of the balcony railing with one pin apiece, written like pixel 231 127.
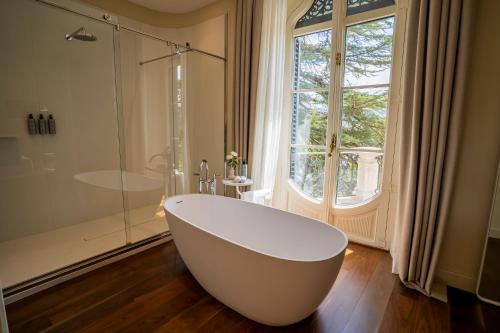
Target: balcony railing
pixel 359 175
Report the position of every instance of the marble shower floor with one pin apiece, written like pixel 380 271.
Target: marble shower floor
pixel 31 256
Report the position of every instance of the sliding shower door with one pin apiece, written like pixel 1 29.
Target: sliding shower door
pixel 145 78
pixel 61 198
pixel 98 127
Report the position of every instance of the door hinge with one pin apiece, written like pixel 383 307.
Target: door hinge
pixel 338 58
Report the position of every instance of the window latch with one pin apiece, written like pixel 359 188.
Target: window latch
pixel 333 145
pixel 338 58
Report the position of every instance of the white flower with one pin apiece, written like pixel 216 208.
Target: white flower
pixel 228 157
pixel 235 154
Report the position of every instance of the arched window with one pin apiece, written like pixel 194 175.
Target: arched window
pixel 340 97
pixel 360 6
pixel 320 11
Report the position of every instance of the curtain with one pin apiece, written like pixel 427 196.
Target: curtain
pixel 248 26
pixel 269 105
pixel 438 34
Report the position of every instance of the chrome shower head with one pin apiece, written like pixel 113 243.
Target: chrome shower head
pixel 82 35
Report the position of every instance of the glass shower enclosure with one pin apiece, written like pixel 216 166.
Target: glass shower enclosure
pixel 92 141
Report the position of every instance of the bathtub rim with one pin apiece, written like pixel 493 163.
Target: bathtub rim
pixel 326 258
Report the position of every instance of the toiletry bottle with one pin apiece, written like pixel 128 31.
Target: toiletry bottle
pixel 244 168
pixel 31 125
pixel 52 125
pixel 42 126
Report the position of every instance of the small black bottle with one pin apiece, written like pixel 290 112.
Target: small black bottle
pixel 52 125
pixel 42 126
pixel 31 125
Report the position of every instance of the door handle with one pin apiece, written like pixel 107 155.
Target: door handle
pixel 333 145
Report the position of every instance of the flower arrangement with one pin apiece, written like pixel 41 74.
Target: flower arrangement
pixel 232 160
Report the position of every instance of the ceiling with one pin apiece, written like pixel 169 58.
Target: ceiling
pixel 173 6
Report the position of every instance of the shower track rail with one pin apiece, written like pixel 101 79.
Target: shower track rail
pixel 107 18
pixel 187 49
pixel 42 282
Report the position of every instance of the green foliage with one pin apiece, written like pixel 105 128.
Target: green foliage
pixel 369 47
pixel 363 118
pixel 368 53
pixel 233 162
pixel 312 118
pixel 314 66
pixel 317 130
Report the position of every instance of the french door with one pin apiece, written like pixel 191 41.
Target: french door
pixel 342 125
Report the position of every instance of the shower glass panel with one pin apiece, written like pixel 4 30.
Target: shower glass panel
pixel 202 113
pixel 182 164
pixel 146 90
pixel 61 198
pixel 92 138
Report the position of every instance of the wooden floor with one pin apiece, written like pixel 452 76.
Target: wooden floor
pixel 153 292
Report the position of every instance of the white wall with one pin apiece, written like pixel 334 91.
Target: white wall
pixel 209 36
pixel 42 72
pixel 205 98
pixel 205 114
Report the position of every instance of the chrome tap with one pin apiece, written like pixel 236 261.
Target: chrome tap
pixel 204 180
pixel 203 176
pixel 213 184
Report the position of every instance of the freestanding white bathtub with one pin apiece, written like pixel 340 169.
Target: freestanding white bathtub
pixel 269 265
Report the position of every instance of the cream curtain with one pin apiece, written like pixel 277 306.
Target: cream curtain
pixel 269 94
pixel 248 26
pixel 438 34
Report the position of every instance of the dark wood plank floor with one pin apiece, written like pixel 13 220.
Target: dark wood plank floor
pixel 153 292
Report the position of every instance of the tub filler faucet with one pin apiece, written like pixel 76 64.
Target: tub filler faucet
pixel 204 180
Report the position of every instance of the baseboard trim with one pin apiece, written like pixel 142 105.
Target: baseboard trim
pixel 439 290
pixel 4 327
pixel 494 232
pixel 25 289
pixel 457 280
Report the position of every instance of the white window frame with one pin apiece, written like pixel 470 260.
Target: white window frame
pixel 338 25
pixel 386 201
pixel 324 26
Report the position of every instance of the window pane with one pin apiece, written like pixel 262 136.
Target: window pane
pixel 358 176
pixel 310 117
pixel 307 170
pixel 368 53
pixel 320 11
pixel 312 60
pixel 359 6
pixel 363 117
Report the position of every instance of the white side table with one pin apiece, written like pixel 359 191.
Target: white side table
pixel 230 182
